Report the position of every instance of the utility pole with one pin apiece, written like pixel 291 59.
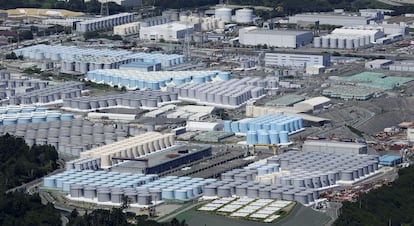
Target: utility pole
pixel 104 8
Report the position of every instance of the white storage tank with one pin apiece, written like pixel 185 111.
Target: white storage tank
pixel 355 41
pixel 244 16
pixel 349 43
pixel 223 13
pixel 325 42
pixel 341 43
pixel 333 43
pixel 317 42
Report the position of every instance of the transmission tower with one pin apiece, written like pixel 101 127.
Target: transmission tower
pixel 104 8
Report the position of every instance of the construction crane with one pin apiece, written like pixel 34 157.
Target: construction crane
pixel 273 147
pixel 104 8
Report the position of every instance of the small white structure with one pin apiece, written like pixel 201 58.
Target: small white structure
pixel 174 31
pixel 378 64
pixel 296 60
pixel 204 126
pixel 312 104
pixel 122 2
pixel 127 29
pixel 334 147
pixel 410 134
pixel 315 69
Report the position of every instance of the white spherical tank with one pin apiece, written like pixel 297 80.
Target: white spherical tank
pixel 224 14
pixel 244 16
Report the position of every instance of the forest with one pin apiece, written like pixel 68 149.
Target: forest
pixel 388 205
pixel 20 163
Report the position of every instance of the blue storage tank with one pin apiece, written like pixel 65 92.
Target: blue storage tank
pixel 167 193
pixel 52 117
pixel 235 127
pixel 251 137
pixel 49 182
pixel 9 121
pixel 225 76
pixel 284 137
pixel 244 127
pixel 227 126
pixel 199 79
pixel 263 137
pixel 280 127
pixel 180 194
pixel 153 85
pixel 274 137
pixel 37 119
pixel 261 171
pixel 23 120
pixel 67 117
pixel 41 109
pixel 28 109
pixel 178 81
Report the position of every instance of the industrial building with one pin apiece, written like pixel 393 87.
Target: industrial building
pixel 296 60
pixel 274 38
pixel 394 28
pixel 285 101
pixel 294 176
pixel 227 94
pixel 350 37
pixel 405 65
pixel 132 147
pixel 127 29
pixel 67 22
pixel 174 31
pixel 312 104
pixel 334 147
pixel 103 187
pixel 375 80
pixel 267 129
pixel 104 23
pixel 351 92
pixel 378 64
pixel 134 99
pixel 150 80
pixel 331 18
pixel 169 158
pixel 204 126
pixel 390 160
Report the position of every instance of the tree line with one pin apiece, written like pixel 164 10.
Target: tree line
pixel 388 205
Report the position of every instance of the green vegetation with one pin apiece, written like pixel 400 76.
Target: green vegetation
pixel 388 205
pixel 22 209
pixel 355 130
pixel 32 70
pixel 20 164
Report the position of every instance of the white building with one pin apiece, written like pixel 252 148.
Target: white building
pixel 389 29
pixel 410 134
pixel 296 60
pixel 68 22
pixel 122 2
pixel 174 31
pixel 274 38
pixel 330 18
pixel 312 104
pixel 103 23
pixel 127 29
pixel 378 64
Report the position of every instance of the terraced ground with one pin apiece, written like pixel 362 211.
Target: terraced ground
pixel 300 215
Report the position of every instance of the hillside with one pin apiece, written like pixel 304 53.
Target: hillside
pixel 389 205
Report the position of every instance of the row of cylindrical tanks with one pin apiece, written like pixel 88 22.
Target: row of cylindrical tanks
pixel 68 137
pixel 274 122
pixel 104 22
pixel 104 186
pixel 49 94
pixel 151 80
pixel 293 176
pixel 135 99
pixel 83 64
pixel 43 52
pixel 230 93
pixel 87 163
pixel 21 118
pixel 333 42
